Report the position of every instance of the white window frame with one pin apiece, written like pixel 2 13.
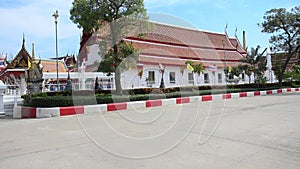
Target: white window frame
pixel 150 79
pixel 220 78
pixel 172 77
pixel 191 78
pixel 206 80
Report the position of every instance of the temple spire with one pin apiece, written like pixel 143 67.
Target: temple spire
pixel 32 51
pixel 23 44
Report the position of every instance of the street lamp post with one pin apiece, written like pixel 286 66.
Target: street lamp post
pixel 55 15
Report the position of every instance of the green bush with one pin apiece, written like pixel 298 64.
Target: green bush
pixel 55 101
pixel 89 97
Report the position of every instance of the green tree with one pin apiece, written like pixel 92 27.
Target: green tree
pixel 285 27
pixel 125 51
pixel 296 72
pixel 231 72
pixel 198 67
pixel 256 63
pixel 248 70
pixel 116 19
pixel 236 71
pixel 293 74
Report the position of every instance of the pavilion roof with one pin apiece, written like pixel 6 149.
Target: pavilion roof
pixel 21 59
pixel 50 66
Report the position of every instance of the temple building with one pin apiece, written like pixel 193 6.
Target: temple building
pixel 170 47
pixel 69 60
pixel 13 73
pixel 282 57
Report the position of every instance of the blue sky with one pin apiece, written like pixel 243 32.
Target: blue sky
pixel 34 19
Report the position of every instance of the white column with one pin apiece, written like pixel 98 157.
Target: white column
pixel 1 103
pixel 82 81
pixel 2 89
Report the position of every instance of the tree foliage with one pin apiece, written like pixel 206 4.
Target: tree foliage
pixel 236 71
pixel 293 74
pixel 198 67
pixel 256 64
pixel 116 19
pixel 248 71
pixel 232 72
pixel 284 26
pixel 124 60
pixel 90 15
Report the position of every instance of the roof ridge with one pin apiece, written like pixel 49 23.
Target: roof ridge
pixel 229 42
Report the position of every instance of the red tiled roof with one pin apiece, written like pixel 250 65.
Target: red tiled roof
pixel 174 45
pixel 167 34
pixel 235 42
pixel 50 66
pixel 69 60
pixel 282 57
pixel 185 52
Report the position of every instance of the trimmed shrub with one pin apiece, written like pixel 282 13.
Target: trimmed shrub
pixel 89 97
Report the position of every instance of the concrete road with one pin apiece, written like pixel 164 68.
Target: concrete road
pixel 257 132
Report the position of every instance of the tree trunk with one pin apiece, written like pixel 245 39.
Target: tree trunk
pixel 249 78
pixel 280 79
pixel 116 59
pixel 117 72
pixel 118 82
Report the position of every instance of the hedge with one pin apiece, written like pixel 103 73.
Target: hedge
pixel 89 97
pixel 63 101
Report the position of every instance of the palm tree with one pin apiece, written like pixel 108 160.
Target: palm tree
pixel 248 71
pixel 198 67
pixel 256 64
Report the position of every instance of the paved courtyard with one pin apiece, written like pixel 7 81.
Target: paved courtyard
pixel 255 132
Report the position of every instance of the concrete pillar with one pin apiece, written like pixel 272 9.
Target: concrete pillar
pixel 82 81
pixel 1 103
pixel 23 85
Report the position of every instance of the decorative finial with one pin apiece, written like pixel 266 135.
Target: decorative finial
pixel 235 32
pixel 23 44
pixel 55 15
pixel 226 26
pixel 32 51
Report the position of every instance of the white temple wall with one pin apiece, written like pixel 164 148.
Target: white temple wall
pixel 130 78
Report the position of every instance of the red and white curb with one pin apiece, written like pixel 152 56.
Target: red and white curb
pixel 30 112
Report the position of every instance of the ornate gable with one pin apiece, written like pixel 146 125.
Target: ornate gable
pixel 21 60
pixel 34 77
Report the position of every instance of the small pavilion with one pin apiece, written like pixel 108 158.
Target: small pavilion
pixel 13 73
